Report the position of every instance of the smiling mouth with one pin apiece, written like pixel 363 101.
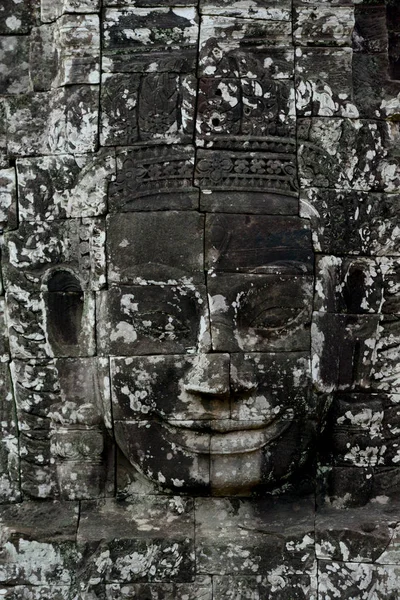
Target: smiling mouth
pixel 224 436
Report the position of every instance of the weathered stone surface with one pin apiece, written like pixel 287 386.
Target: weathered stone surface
pixel 325 160
pixel 352 222
pixel 273 10
pixel 149 539
pixel 277 586
pixel 43 249
pixel 254 537
pixel 261 182
pixel 39 543
pixel 343 349
pixel 55 187
pixel 154 178
pixel 152 319
pixel 56 122
pixel 159 248
pixel 201 589
pixel 358 580
pixel 14 64
pixel 324 85
pixel 154 40
pixel 147 108
pixel 52 9
pixel 245 47
pixel 244 106
pixel 357 285
pixel 18 17
pixel 8 199
pixel 323 25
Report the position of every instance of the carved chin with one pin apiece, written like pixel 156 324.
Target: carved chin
pixel 238 461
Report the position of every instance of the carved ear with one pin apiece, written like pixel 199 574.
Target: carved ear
pixel 64 311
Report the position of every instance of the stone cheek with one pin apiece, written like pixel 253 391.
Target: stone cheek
pixel 199 320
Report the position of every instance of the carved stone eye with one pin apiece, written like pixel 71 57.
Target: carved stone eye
pixel 65 309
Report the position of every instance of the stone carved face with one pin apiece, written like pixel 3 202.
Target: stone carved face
pixel 210 375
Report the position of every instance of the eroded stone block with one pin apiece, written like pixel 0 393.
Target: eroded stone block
pixel 352 222
pixel 379 582
pixel 244 107
pixel 155 39
pixel 56 122
pixel 259 182
pixel 65 186
pixel 18 17
pixel 325 160
pixel 152 107
pixel 14 64
pixel 344 350
pixel 323 25
pixel 52 9
pixel 8 199
pixel 244 537
pixel 279 585
pixel 133 548
pixel 201 589
pixel 324 85
pixel 245 47
pixel 357 285
pixel 39 543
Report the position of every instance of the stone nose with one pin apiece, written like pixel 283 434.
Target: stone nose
pixel 209 375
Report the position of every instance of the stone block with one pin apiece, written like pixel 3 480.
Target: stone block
pixel 245 47
pixel 147 108
pixel 270 10
pixel 324 85
pixel 159 248
pixel 14 64
pixel 244 537
pixel 358 580
pixel 60 256
pixel 154 39
pixel 154 178
pixel 39 543
pixel 18 17
pixel 78 41
pixel 344 350
pixel 325 160
pixel 66 186
pixel 351 222
pixel 57 122
pixel 200 589
pixel 257 244
pixel 260 182
pixel 150 539
pixel 152 320
pixel 53 9
pixel 8 199
pixel 323 25
pixel 237 107
pixel 245 315
pixel 357 285
pixel 365 430
pixel 277 586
